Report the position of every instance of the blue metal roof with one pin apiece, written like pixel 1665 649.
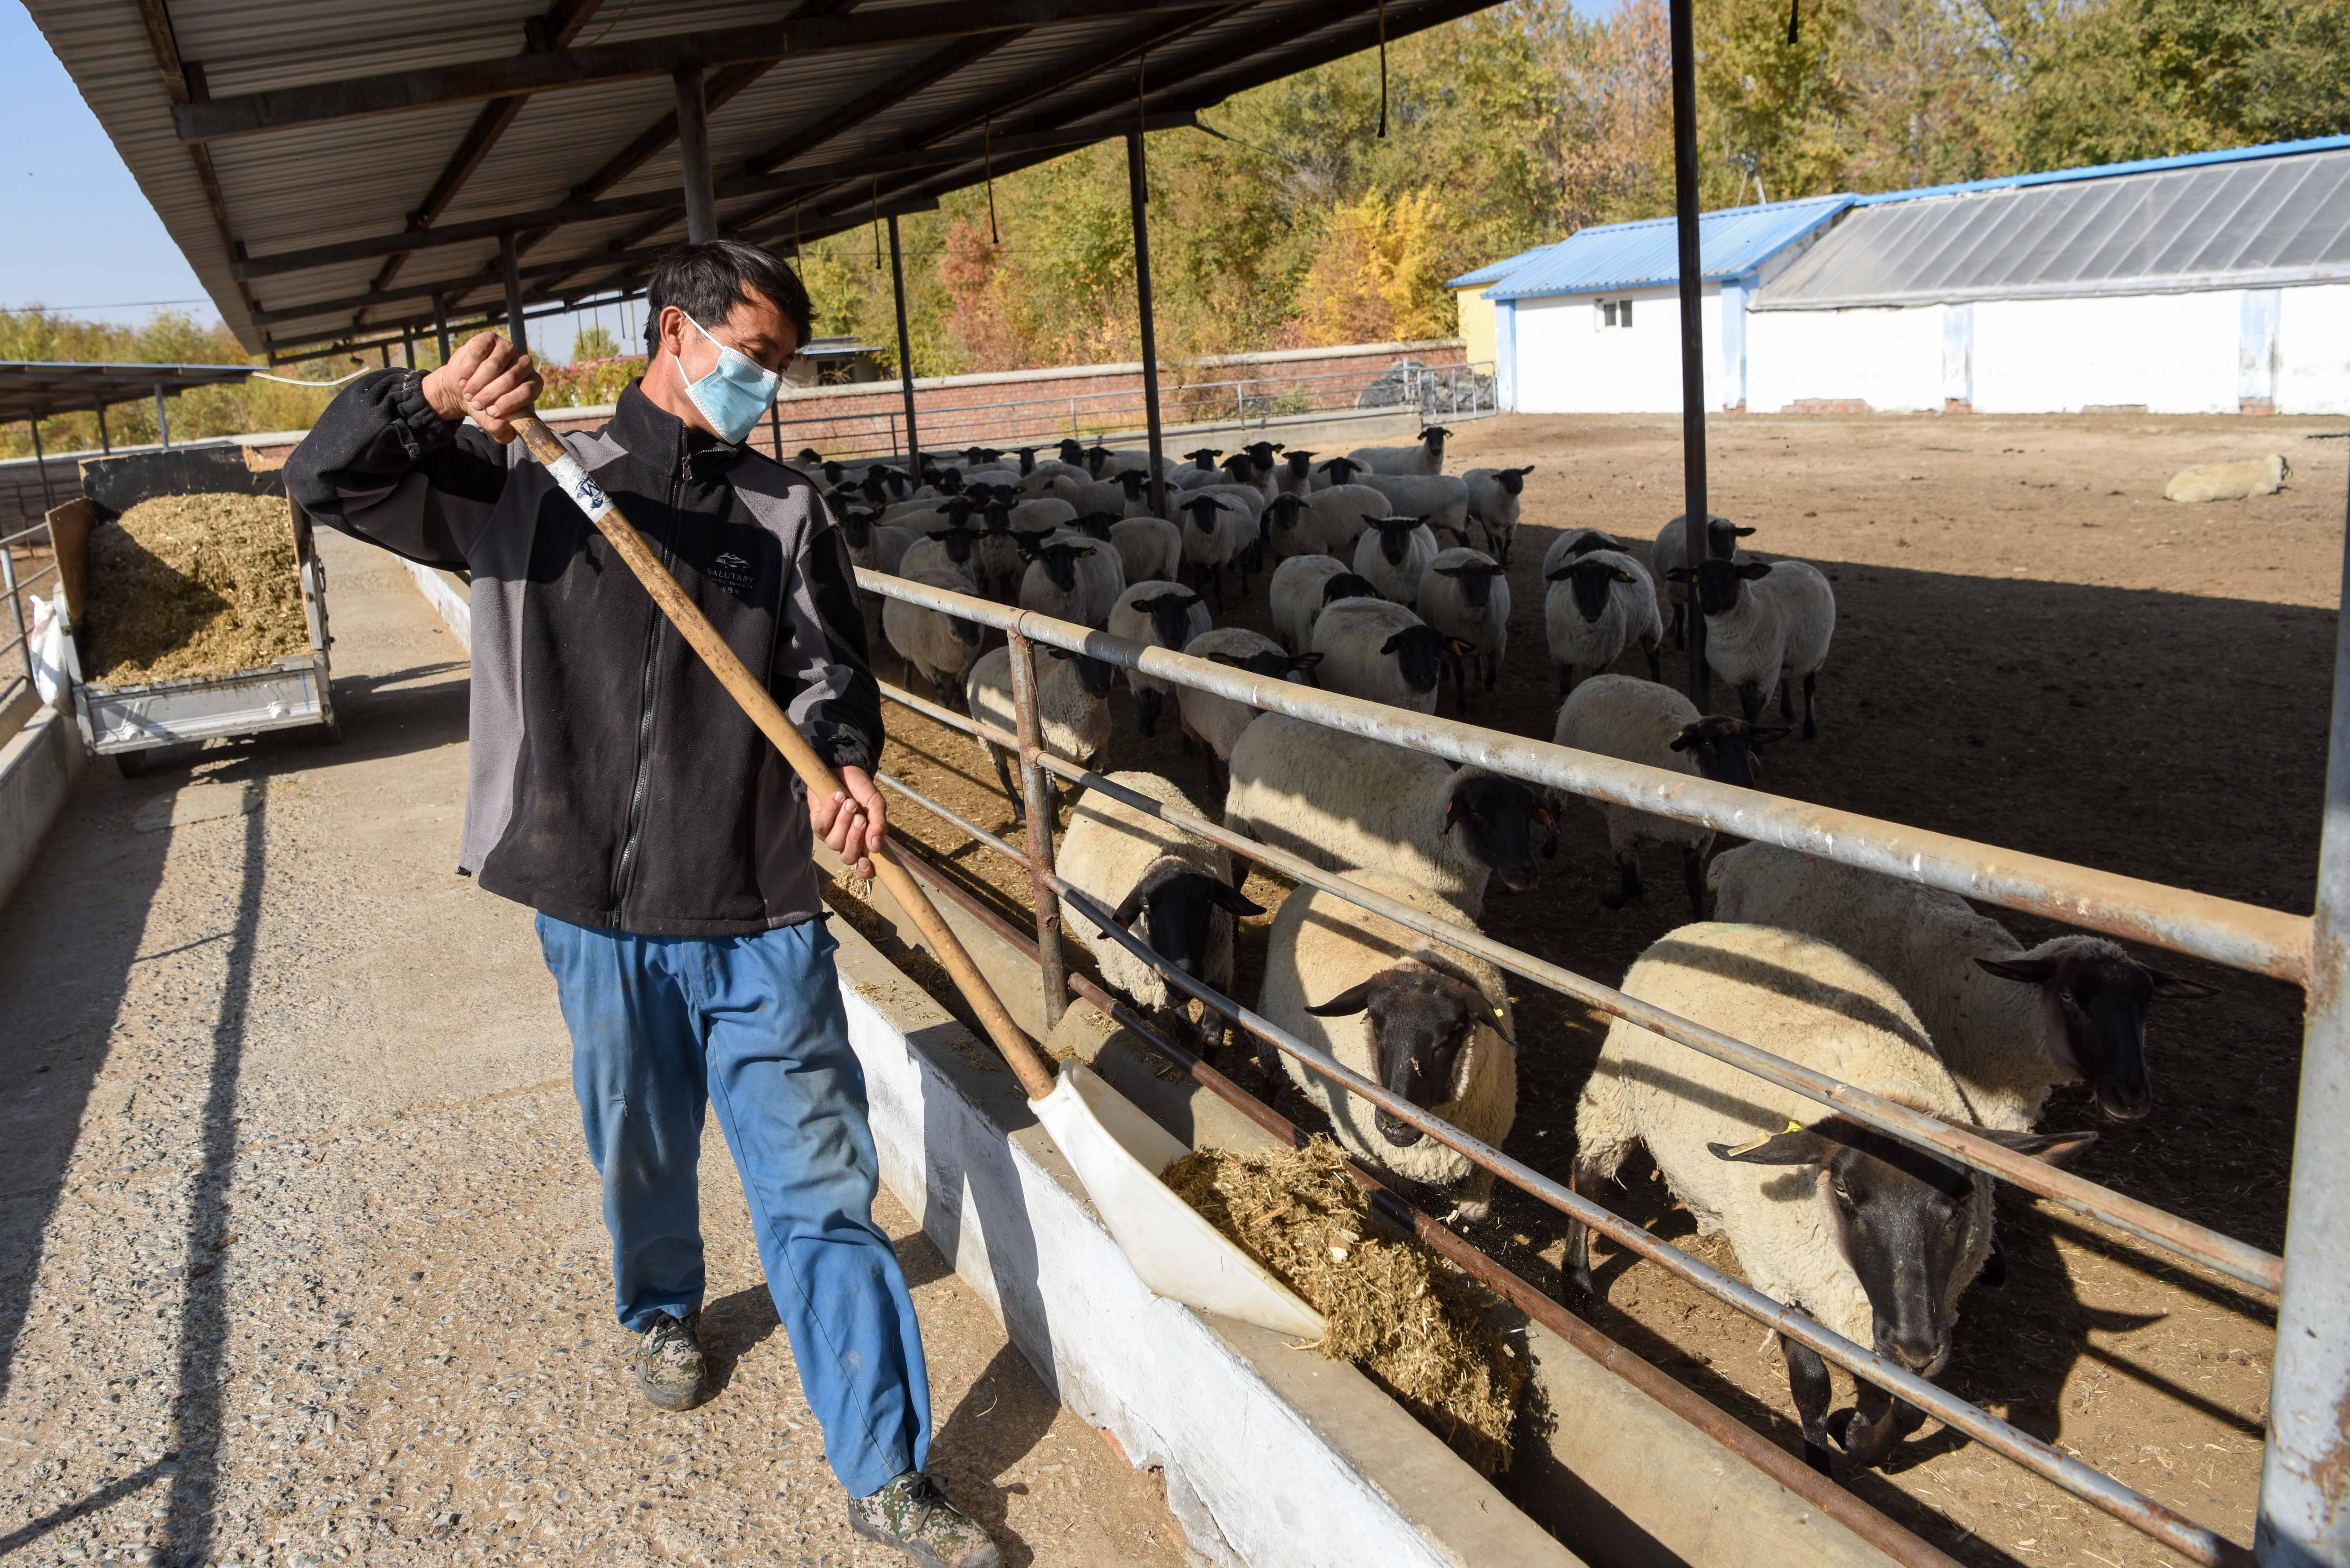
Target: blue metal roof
pixel 2106 171
pixel 1494 272
pixel 1642 255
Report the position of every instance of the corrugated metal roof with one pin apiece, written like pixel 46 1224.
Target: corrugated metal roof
pixel 1494 272
pixel 1643 255
pixel 2205 224
pixel 2107 170
pixel 293 187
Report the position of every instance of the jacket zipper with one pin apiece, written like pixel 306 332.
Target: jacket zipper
pixel 647 700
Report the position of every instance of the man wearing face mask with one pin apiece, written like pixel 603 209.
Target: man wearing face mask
pixel 619 791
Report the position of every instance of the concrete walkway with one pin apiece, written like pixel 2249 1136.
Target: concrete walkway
pixel 300 1256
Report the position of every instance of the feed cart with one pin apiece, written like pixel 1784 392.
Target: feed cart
pixel 125 722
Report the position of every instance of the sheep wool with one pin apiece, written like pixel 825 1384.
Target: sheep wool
pixel 1573 542
pixel 1778 628
pixel 1109 851
pixel 1623 716
pixel 1319 946
pixel 1439 500
pixel 1799 998
pixel 1331 520
pixel 1996 1036
pixel 1218 722
pixel 1076 722
pixel 927 639
pixel 1349 636
pixel 1136 625
pixel 1629 619
pixel 1344 801
pixel 1296 597
pixel 1444 604
pixel 1398 581
pixel 1148 548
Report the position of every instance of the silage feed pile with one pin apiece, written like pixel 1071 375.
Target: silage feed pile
pixel 192 585
pixel 1410 1319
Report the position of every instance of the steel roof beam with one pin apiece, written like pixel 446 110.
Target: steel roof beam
pixel 471 81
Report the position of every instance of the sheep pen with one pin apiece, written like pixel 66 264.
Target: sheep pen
pixel 2012 642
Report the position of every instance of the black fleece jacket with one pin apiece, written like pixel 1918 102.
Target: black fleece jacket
pixel 613 782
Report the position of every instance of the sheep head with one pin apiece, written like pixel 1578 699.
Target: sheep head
pixel 1171 616
pixel 1272 663
pixel 1395 535
pixel 1421 653
pixel 1495 818
pixel 1178 910
pixel 1513 480
pixel 1348 585
pixel 1202 511
pixel 1728 751
pixel 1591 580
pixel 1341 469
pixel 1421 1018
pixel 1300 462
pixel 1717 582
pixel 1476 579
pixel 2098 995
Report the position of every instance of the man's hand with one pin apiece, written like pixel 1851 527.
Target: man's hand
pixel 853 821
pixel 489 378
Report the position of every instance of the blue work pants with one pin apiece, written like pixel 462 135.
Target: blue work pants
pixel 662 1026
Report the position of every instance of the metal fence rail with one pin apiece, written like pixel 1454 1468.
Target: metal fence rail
pixel 2193 1541
pixel 2241 935
pixel 12 587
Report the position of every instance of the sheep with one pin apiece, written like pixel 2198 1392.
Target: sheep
pixel 1428 457
pixel 1465 594
pixel 1156 614
pixel 1239 468
pixel 2011 1023
pixel 1262 465
pixel 1336 471
pixel 2238 481
pixel 1326 523
pixel 1072 710
pixel 1435 1030
pixel 1147 547
pixel 1599 605
pixel 1342 801
pixel 1296 597
pixel 1294 476
pixel 1872 1238
pixel 1440 501
pixel 940 646
pixel 1217 722
pixel 931 515
pixel 870 545
pixel 1382 652
pixel 1179 887
pixel 1395 553
pixel 1217 535
pixel 1670 550
pixel 1576 543
pixel 1767 625
pixel 1495 498
pixel 954 550
pixel 1642 722
pixel 1040 516
pixel 1072 578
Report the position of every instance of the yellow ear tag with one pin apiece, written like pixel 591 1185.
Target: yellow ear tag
pixel 1746 1148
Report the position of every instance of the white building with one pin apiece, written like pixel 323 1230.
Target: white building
pixel 2215 283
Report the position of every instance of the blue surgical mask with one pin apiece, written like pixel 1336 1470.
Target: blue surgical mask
pixel 735 395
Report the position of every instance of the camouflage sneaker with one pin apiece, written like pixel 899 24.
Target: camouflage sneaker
pixel 668 1361
pixel 914 1516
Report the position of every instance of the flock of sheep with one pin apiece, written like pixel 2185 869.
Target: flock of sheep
pixel 1387 575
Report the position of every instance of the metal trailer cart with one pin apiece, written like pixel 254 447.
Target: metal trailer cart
pixel 126 722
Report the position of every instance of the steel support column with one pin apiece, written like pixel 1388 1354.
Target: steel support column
pixel 2305 1513
pixel 693 154
pixel 905 353
pixel 163 419
pixel 441 324
pixel 517 333
pixel 41 463
pixel 1037 797
pixel 1692 289
pixel 407 347
pixel 104 444
pixel 1137 192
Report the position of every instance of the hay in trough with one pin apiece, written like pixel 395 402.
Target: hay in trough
pixel 192 585
pixel 1412 1321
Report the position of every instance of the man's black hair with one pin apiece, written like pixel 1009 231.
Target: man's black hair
pixel 708 280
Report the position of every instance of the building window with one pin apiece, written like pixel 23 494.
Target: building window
pixel 1612 312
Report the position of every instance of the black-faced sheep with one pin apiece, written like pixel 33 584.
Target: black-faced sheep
pixel 1394 554
pixel 1428 457
pixel 1495 498
pixel 1598 606
pixel 1767 624
pixel 1382 652
pixel 1157 615
pixel 1672 550
pixel 1218 722
pixel 1072 710
pixel 1466 595
pixel 941 646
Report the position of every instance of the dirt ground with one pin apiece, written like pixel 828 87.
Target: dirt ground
pixel 2035 649
pixel 301 1259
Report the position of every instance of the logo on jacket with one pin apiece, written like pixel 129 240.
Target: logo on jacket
pixel 731 571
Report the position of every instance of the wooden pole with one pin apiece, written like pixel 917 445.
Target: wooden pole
pixel 693 153
pixel 517 333
pixel 747 690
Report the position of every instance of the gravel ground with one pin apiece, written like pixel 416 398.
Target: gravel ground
pixel 300 1260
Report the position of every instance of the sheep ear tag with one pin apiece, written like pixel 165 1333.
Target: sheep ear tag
pixel 1117 1153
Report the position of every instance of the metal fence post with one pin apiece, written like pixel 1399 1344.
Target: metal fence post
pixel 1037 800
pixel 1692 270
pixel 16 610
pixel 2305 1512
pixel 163 419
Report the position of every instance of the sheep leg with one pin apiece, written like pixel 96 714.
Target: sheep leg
pixel 1577 1264
pixel 1565 679
pixel 1681 632
pixel 1628 867
pixel 1751 698
pixel 1786 697
pixel 1807 1380
pixel 1811 689
pixel 1461 684
pixel 1492 669
pixel 1655 659
pixel 1216 577
pixel 1868 1432
pixel 1003 777
pixel 1693 877
pixel 1150 699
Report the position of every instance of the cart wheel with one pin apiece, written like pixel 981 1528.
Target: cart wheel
pixel 329 734
pixel 132 764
